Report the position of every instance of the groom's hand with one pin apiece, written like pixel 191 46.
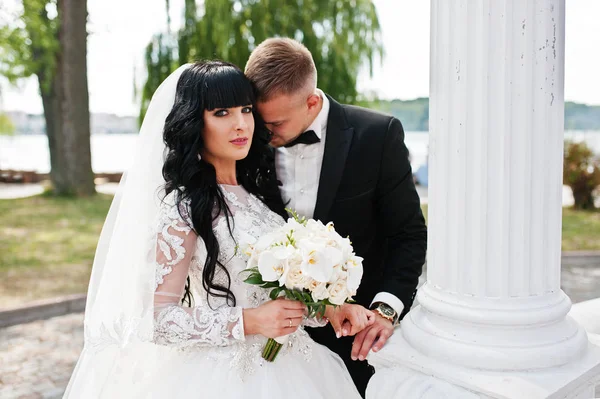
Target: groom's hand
pixel 349 319
pixel 372 337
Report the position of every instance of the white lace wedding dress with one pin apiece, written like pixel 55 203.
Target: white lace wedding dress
pixel 140 342
pixel 209 356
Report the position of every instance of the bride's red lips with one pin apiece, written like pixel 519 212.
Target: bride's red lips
pixel 241 141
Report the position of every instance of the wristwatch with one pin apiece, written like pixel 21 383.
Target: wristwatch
pixel 385 311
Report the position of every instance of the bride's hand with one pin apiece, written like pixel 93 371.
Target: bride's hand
pixel 274 318
pixel 349 319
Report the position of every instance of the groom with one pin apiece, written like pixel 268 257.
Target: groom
pixel 348 165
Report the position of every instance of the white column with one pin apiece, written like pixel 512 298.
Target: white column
pixel 492 301
pixel 496 142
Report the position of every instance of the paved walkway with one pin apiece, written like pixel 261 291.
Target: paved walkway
pixel 12 191
pixel 36 359
pixel 580 278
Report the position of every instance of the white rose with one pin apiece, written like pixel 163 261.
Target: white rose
pixel 288 257
pixel 338 274
pixel 318 291
pixel 355 273
pixel 338 293
pixel 295 278
pixel 310 284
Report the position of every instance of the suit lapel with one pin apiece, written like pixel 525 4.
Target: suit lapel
pixel 337 144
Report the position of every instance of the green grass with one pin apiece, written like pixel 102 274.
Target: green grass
pixel 580 229
pixel 47 244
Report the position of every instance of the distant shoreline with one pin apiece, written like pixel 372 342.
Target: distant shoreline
pixel 112 153
pixel 414 115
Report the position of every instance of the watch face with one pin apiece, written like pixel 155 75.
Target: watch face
pixel 387 310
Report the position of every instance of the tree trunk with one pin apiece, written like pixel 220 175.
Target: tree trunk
pixel 72 140
pixel 584 199
pixel 51 102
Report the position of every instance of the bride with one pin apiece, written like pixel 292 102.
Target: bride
pixel 168 313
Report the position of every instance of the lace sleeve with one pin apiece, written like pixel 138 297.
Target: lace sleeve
pixel 315 322
pixel 176 325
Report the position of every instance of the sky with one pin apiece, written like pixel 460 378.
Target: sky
pixel 120 30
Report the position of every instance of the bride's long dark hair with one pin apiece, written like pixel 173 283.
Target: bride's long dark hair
pixel 203 86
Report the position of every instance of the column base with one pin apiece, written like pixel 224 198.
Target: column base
pixel 402 372
pixel 522 333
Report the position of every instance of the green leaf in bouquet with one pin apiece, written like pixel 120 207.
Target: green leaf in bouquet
pixel 254 279
pixel 289 294
pixel 298 296
pixel 275 293
pixel 316 308
pixel 250 272
pixel 291 239
pixel 321 310
pixel 297 218
pixel 270 284
pixel 307 297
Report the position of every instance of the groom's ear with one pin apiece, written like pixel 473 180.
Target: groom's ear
pixel 313 101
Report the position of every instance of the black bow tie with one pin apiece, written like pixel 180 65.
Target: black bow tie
pixel 308 137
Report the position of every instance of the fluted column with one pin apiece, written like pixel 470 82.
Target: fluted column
pixel 493 298
pixel 492 320
pixel 496 142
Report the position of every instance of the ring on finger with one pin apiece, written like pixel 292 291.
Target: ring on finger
pixel 290 320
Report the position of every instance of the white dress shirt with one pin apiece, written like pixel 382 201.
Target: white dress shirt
pixel 299 167
pixel 299 170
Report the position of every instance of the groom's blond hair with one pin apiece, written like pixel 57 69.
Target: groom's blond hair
pixel 281 66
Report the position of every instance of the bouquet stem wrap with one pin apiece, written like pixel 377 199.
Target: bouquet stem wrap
pixel 273 347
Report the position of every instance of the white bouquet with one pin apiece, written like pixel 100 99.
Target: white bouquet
pixel 307 261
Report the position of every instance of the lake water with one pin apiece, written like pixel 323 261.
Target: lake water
pixel 113 153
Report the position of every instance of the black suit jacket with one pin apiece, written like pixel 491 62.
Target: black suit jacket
pixel 366 189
